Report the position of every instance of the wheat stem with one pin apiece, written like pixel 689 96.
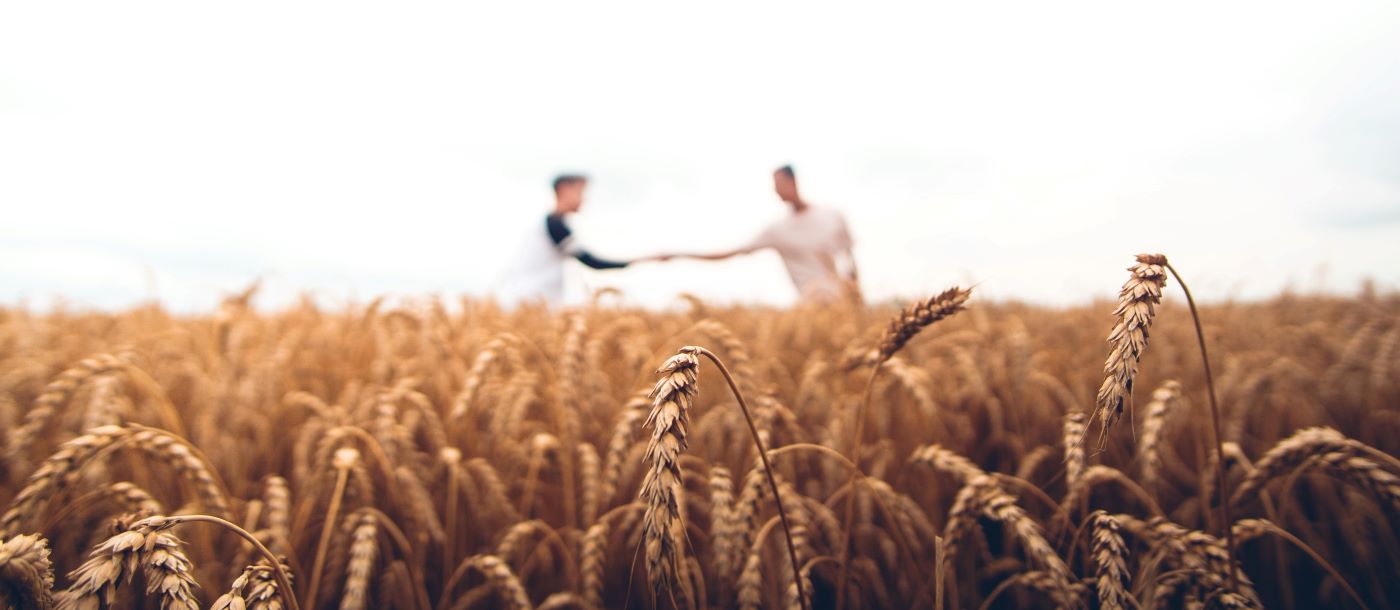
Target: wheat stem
pixel 1214 424
pixel 767 468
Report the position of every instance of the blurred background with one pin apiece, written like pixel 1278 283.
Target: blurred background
pixel 178 151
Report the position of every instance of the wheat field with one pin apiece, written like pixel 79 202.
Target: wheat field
pixel 953 453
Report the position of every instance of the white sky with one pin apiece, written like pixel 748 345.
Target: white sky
pixel 351 149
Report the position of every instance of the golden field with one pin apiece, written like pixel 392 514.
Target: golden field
pixel 425 456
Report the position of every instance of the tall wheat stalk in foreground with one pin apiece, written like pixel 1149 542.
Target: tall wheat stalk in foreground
pixel 661 489
pixel 1137 306
pixel 904 327
pixel 1137 303
pixel 1214 423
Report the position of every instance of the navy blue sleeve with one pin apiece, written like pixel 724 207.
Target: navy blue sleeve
pixel 560 234
pixel 558 231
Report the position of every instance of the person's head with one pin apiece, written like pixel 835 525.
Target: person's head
pixel 568 192
pixel 785 184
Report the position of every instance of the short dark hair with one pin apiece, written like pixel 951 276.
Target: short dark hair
pixel 563 180
pixel 786 170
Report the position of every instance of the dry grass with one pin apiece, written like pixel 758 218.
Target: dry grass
pixel 436 457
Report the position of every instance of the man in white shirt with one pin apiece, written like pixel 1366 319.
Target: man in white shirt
pixel 537 273
pixel 813 241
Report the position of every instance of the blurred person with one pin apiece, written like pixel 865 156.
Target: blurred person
pixel 813 241
pixel 537 273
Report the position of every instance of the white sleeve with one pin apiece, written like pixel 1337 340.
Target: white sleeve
pixel 845 236
pixel 765 239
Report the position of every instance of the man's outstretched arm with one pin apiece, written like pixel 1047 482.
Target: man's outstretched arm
pixel 563 239
pixel 762 241
pixel 712 256
pixel 593 262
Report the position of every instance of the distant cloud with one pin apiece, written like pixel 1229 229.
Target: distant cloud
pixel 1362 217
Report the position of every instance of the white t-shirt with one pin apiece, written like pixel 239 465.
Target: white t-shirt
pixel 537 272
pixel 811 242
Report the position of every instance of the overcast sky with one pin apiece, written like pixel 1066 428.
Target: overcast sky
pixel 180 150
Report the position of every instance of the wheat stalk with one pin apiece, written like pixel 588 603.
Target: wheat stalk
pixel 1137 303
pixel 480 367
pixel 421 515
pixel 946 460
pixel 345 460
pixel 56 474
pixel 982 497
pixel 571 403
pixel 618 444
pixel 26 573
pixel 918 316
pixel 54 396
pixel 592 560
pixel 277 497
pixel 661 489
pixel 1288 454
pixel 489 482
pixel 726 534
pixel 133 499
pixel 594 548
pixel 1154 429
pixel 1203 558
pixel 502 579
pixel 1075 425
pixel 1111 559
pixel 905 326
pixel 364 550
pixel 145 545
pixel 254 589
pixel 589 472
pixel 186 462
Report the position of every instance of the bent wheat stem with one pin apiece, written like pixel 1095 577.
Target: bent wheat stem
pixel 767 468
pixel 1214 424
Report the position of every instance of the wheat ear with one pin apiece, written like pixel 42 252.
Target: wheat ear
pixel 588 472
pixel 26 573
pixel 345 460
pixel 1137 303
pixel 726 534
pixel 982 497
pixel 1289 453
pixel 946 460
pixel 910 322
pixel 1111 561
pixel 52 398
pixel 277 497
pixel 1154 430
pixel 662 488
pixel 619 442
pixel 254 589
pixel 593 551
pixel 762 450
pixel 919 315
pixel 499 574
pixel 1075 425
pixel 57 473
pixel 145 545
pixel 364 550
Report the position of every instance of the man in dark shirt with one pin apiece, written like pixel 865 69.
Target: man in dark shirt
pixel 538 271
